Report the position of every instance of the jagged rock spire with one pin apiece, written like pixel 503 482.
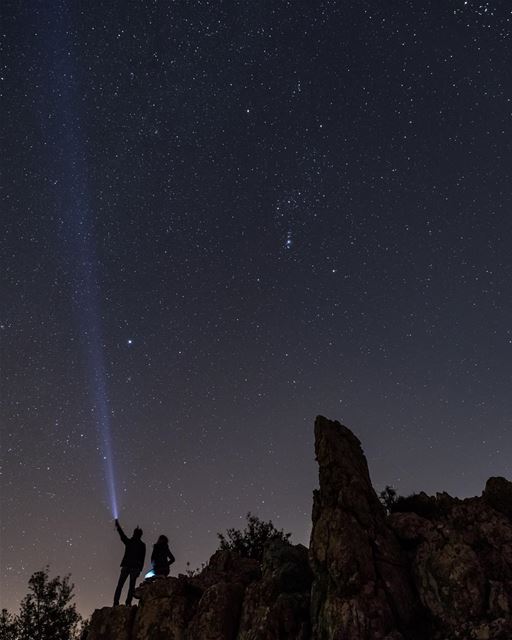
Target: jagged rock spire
pixel 362 589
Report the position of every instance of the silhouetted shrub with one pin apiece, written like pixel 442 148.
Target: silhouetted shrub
pixel 251 541
pixel 423 505
pixel 192 573
pixel 388 498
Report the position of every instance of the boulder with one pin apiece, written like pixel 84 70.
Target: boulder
pixel 284 617
pixel 228 566
pixel 112 623
pixel 411 529
pixel 287 566
pixel 167 605
pixel 450 582
pixel 218 613
pixel 277 606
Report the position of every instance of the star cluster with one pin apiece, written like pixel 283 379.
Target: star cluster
pixel 289 208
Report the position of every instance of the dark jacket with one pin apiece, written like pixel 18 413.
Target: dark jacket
pixel 134 553
pixel 161 558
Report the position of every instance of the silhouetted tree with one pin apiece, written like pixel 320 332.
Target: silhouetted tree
pixel 84 629
pixel 47 611
pixel 8 625
pixel 251 541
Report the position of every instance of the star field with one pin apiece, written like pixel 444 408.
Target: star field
pixel 223 218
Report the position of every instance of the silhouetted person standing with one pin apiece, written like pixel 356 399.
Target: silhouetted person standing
pixel 132 562
pixel 161 558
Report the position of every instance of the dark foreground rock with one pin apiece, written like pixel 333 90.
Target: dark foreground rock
pixel 277 606
pixel 233 598
pixel 111 623
pixel 461 560
pixel 437 568
pixel 362 588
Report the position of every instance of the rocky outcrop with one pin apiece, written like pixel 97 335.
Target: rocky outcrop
pixel 166 609
pixel 498 495
pixel 233 598
pixel 362 588
pixel 440 569
pixel 112 623
pixel 461 560
pixel 277 606
pixel 436 568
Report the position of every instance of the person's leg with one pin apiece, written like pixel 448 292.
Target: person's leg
pixel 122 579
pixel 131 588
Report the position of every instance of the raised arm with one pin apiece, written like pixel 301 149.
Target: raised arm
pixel 121 533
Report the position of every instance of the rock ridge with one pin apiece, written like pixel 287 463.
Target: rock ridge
pixel 436 568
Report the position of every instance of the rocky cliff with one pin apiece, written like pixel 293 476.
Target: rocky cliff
pixel 437 568
pixel 232 598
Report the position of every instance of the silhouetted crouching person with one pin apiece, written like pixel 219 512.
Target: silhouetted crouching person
pixel 131 564
pixel 161 558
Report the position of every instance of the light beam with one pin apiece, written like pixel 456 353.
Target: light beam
pixel 69 164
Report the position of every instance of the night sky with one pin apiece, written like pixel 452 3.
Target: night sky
pixel 221 219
